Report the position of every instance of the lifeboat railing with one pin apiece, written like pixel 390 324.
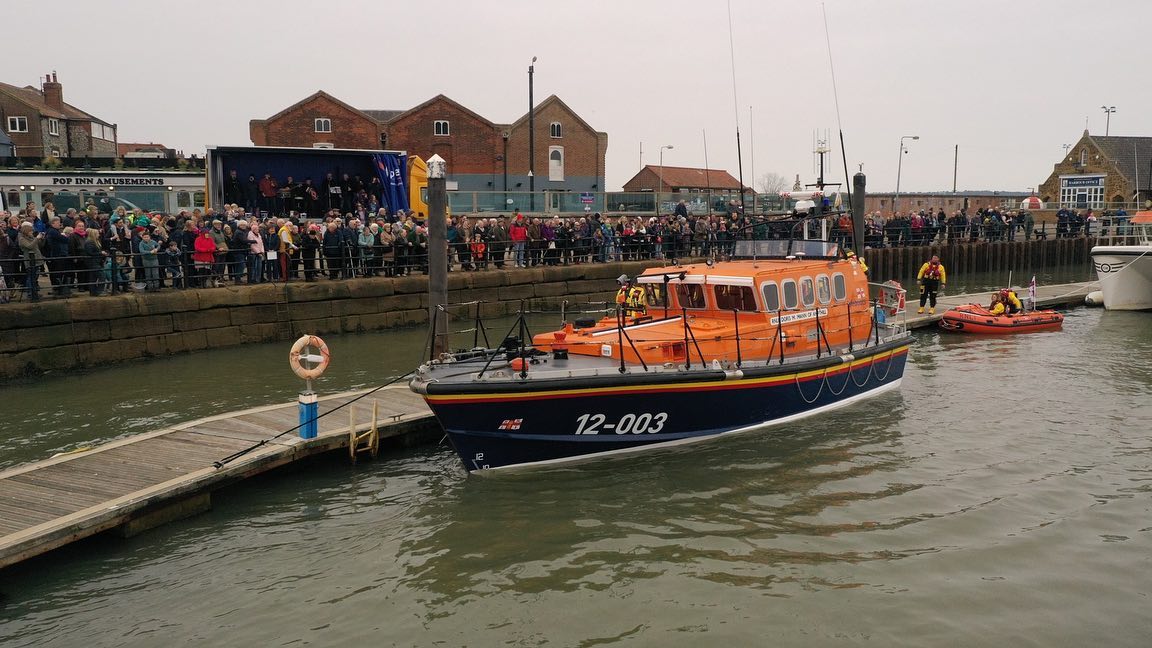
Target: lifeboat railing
pixel 888 311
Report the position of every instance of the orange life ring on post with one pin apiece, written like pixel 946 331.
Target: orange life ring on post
pixel 296 357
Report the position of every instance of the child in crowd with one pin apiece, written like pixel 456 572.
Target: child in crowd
pixel 170 261
pixel 115 269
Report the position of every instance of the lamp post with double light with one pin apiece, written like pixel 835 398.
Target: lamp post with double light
pixel 1108 110
pixel 899 166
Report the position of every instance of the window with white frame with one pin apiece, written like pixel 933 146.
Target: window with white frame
pixel 53 126
pixel 440 127
pixel 556 130
pixel 100 131
pixel 323 125
pixel 17 124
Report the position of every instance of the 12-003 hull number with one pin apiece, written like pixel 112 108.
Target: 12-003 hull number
pixel 643 423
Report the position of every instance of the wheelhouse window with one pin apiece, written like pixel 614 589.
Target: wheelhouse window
pixel 823 289
pixel 690 295
pixel 807 294
pixel 838 287
pixel 790 301
pixel 556 130
pixel 771 295
pixel 17 124
pixel 739 298
pixel 440 128
pixel 323 125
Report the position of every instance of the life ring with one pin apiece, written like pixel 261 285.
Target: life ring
pixel 296 357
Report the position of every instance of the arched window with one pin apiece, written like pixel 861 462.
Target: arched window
pixel 556 163
pixel 556 130
pixel 323 125
pixel 440 127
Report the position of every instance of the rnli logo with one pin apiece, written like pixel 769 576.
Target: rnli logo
pixel 510 424
pixel 1109 268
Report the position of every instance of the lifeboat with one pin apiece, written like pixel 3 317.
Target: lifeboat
pixel 974 318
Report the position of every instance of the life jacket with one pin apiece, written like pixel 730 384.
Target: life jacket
pixel 933 271
pixel 622 295
pixel 636 297
pixel 1010 301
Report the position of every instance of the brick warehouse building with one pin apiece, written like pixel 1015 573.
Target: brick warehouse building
pixel 482 155
pixel 41 124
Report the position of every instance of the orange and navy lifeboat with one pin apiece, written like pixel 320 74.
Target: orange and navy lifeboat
pixel 974 318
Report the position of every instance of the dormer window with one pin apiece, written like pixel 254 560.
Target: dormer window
pixel 440 127
pixel 556 130
pixel 323 125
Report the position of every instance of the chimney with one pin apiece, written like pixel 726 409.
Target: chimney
pixel 53 92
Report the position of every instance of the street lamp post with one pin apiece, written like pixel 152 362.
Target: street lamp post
pixel 531 140
pixel 1108 110
pixel 660 183
pixel 899 166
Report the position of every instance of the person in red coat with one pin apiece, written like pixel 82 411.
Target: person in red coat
pixel 203 256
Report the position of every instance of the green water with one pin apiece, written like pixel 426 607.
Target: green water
pixel 1001 497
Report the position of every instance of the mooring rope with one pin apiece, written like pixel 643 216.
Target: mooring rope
pixel 240 453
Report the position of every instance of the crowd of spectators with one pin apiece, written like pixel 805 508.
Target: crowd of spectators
pixel 103 253
pixel 985 224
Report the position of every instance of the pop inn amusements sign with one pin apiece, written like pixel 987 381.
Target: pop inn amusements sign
pixel 122 181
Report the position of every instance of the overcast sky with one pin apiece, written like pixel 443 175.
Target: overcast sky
pixel 1009 81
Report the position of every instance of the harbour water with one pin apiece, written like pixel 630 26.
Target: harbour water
pixel 1000 497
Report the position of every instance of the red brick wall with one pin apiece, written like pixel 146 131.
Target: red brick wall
pixel 473 145
pixel 584 149
pixel 350 129
pixel 27 144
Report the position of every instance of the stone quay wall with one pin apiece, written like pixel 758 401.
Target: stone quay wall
pixel 87 332
pixel 84 332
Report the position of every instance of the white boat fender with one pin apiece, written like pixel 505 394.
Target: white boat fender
pixel 1094 298
pixel 734 374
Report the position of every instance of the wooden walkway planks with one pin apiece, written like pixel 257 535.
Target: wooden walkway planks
pixel 50 503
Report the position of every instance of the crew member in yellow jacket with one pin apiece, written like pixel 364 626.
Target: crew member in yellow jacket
pixel 932 278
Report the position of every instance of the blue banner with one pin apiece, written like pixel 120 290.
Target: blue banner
pixel 393 171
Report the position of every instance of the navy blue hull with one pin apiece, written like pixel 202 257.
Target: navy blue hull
pixel 502 429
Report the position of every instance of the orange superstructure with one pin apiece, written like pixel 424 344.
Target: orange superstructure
pixel 732 312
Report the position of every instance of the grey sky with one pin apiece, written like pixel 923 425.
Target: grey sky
pixel 1007 81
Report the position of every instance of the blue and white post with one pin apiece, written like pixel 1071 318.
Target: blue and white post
pixel 308 410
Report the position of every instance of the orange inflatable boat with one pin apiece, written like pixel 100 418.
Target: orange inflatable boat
pixel 974 318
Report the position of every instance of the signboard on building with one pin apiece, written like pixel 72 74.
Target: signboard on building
pixel 1082 181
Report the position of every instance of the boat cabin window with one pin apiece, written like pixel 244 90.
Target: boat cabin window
pixel 807 294
pixel 823 289
pixel 655 295
pixel 838 287
pixel 690 295
pixel 740 298
pixel 771 295
pixel 789 286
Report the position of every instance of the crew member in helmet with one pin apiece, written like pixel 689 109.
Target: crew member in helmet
pixel 622 293
pixel 932 278
pixel 1005 302
pixel 859 261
